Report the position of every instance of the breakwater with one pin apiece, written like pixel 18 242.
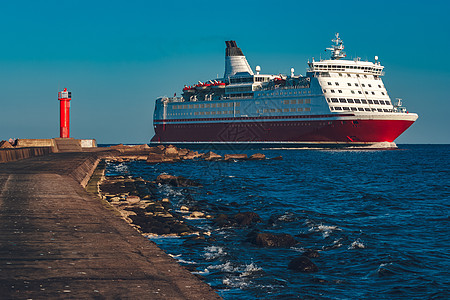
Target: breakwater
pixel 7 155
pixel 58 241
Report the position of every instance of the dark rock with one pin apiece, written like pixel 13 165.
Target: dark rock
pixel 178 181
pixel 270 240
pixel 246 218
pixel 278 158
pixel 236 156
pixel 303 264
pixel 221 220
pixel 257 156
pixel 311 253
pixel 211 156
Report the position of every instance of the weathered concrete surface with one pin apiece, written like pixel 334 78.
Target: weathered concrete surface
pixel 56 241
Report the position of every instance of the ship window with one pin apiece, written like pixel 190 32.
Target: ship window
pixel 307 109
pixel 286 101
pixel 382 93
pixel 348 75
pixel 266 110
pixel 213 112
pixel 349 84
pixel 350 100
pixel 331 108
pixel 369 85
pixel 357 75
pixel 346 108
pixel 381 102
pixel 352 91
pixel 238 104
pixel 370 101
pixel 364 101
pixel 360 109
pixel 373 93
pixel 207 112
pixel 329 83
pixel 202 105
pixel 385 110
pixel 332 91
pixel 300 101
pixel 356 84
pixel 337 83
pixel 272 110
pixel 213 105
pixel 307 101
pixel 278 109
pixel 338 108
pixel 380 110
pixel 388 102
pixel 191 106
pixel 376 102
pixel 354 109
pixel 285 109
pixel 334 100
pixel 299 109
pixel 363 85
pixel 293 101
pixel 293 109
pixel 340 74
pixel 238 111
pixel 367 93
pixel 367 109
pixel 357 101
pixel 342 100
pixel 379 86
pixel 328 100
pixel 365 76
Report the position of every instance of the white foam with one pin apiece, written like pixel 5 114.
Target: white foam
pixel 250 269
pixel 226 267
pixel 213 252
pixel 357 245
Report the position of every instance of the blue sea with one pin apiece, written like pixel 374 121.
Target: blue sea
pixel 379 220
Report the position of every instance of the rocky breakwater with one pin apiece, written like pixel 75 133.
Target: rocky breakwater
pixel 137 202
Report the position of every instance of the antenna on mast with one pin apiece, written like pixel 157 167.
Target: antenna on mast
pixel 337 48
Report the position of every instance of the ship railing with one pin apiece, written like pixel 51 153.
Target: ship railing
pixel 172 99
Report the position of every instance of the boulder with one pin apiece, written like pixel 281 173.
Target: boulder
pixel 171 152
pixel 133 199
pixel 221 220
pixel 154 158
pixel 247 218
pixel 176 180
pixel 311 253
pixel 257 156
pixel 278 158
pixel 156 150
pixel 303 264
pixel 197 214
pixel 211 156
pixel 270 240
pixel 5 144
pixel 236 156
pixel 191 155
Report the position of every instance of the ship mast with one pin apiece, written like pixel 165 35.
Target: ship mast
pixel 337 49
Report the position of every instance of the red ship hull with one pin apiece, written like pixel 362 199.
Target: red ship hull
pixel 304 131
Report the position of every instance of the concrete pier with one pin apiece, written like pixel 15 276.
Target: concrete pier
pixel 57 241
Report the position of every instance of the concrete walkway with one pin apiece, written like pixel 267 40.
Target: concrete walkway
pixel 56 241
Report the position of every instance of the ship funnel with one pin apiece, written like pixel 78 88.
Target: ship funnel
pixel 235 61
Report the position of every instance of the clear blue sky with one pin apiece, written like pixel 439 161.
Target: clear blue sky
pixel 117 57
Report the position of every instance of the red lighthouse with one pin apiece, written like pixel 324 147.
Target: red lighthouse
pixel 64 98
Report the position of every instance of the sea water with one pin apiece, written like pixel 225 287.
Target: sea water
pixel 379 219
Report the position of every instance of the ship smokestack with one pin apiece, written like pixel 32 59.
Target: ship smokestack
pixel 235 61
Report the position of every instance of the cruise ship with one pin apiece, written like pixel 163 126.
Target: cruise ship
pixel 338 103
